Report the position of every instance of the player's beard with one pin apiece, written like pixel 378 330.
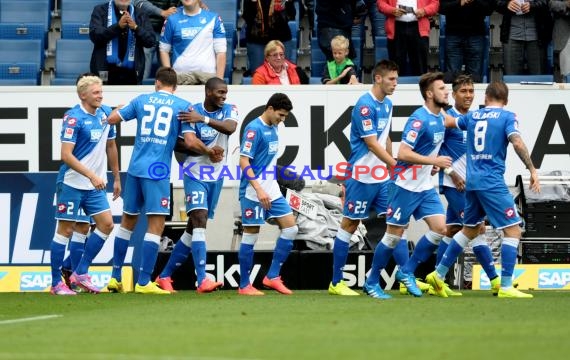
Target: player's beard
pixel 441 104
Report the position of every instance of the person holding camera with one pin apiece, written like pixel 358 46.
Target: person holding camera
pixel 119 33
pixel 407 29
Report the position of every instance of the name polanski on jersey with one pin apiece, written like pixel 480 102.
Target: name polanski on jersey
pixel 486 115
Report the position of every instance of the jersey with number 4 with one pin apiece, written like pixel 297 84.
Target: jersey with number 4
pixel 488 132
pixel 157 130
pixel 424 133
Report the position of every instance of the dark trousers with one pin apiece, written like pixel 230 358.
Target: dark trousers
pixel 408 49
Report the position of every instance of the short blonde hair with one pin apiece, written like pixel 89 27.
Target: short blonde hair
pixel 86 81
pixel 340 42
pixel 272 46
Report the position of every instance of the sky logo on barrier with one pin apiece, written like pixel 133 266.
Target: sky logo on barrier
pixel 486 283
pixel 35 280
pixel 553 279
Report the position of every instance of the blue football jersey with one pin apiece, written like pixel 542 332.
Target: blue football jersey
pixel 89 132
pixel 488 132
pixel 424 133
pixel 260 143
pixel 211 137
pixel 454 146
pixel 191 39
pixel 370 117
pixel 157 129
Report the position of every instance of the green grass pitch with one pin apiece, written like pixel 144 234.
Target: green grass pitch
pixel 307 325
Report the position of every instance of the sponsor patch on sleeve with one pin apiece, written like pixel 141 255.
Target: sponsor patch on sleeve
pixel 417 124
pixel 364 111
pixel 250 135
pixel 68 134
pixel 367 124
pixel 412 136
pixel 71 121
pixel 247 147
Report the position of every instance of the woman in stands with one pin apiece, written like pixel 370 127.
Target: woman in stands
pixel 276 69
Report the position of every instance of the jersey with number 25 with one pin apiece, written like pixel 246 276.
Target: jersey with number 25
pixel 488 132
pixel 157 129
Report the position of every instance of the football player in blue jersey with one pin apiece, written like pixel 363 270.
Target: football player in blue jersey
pixel 193 42
pixel 414 193
pixel 368 165
pixel 86 136
pixel 260 196
pixel 215 120
pixel 489 132
pixel 147 184
pixel 452 182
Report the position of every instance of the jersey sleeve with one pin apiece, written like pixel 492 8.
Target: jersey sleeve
pixel 413 129
pixel 249 142
pixel 511 125
pixel 362 123
pixel 231 113
pixel 165 43
pixel 129 111
pixel 219 29
pixel 70 128
pixel 112 133
pixel 461 122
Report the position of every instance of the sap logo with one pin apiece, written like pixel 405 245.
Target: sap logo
pixel 208 133
pixel 35 281
pixel 438 137
pixel 273 147
pixel 553 279
pixel 485 283
pixel 189 32
pixel 96 135
pixel 100 278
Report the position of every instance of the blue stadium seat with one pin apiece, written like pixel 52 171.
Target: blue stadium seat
pixel 380 53
pixel 315 80
pixel 227 9
pixel 26 12
pixel 75 18
pixel 21 60
pixel 23 31
pixel 318 59
pixel 408 80
pixel 517 79
pixel 567 78
pixel 292 50
pixel 72 57
pixel 18 74
pixel 246 80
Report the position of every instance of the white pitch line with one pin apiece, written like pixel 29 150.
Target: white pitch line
pixel 33 318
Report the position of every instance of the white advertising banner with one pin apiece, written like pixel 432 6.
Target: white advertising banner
pixel 315 136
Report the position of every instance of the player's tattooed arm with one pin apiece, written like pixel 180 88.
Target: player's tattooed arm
pixel 521 150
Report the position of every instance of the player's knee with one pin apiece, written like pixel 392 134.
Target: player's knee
pixel 199 218
pixel 289 233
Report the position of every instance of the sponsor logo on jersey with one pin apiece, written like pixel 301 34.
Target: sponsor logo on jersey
pixel 189 32
pixel 248 213
pixel 273 147
pixel 164 202
pixel 250 135
pixel 438 137
pixel 247 147
pixel 389 211
pixel 96 135
pixel 68 134
pixel 417 124
pixel 71 121
pixel 364 111
pixel 411 136
pixel 350 206
pixel 61 208
pixel 367 124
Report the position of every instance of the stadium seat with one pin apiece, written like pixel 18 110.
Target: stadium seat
pixel 18 74
pixel 72 57
pixel 246 80
pixel 567 78
pixel 380 53
pixel 227 9
pixel 26 12
pixel 315 80
pixel 21 59
pixel 517 79
pixel 75 18
pixel 408 80
pixel 292 49
pixel 318 59
pixel 23 31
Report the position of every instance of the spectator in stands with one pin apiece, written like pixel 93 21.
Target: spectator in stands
pixel 377 20
pixel 194 43
pixel 561 37
pixel 266 20
pixel 158 11
pixel 341 70
pixel 465 32
pixel 407 30
pixel 276 69
pixel 336 17
pixel 526 31
pixel 119 33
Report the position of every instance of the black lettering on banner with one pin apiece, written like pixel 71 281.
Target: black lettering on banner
pixel 555 113
pixel 13 138
pixel 45 146
pixel 321 138
pixel 290 152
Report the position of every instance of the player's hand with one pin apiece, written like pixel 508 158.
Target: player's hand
pixel 263 198
pixel 98 182
pixel 457 181
pixel 216 154
pixel 166 13
pixel 434 170
pixel 442 161
pixel 190 116
pixel 534 182
pixel 117 188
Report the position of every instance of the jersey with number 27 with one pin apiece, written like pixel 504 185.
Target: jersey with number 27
pixel 157 129
pixel 488 132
